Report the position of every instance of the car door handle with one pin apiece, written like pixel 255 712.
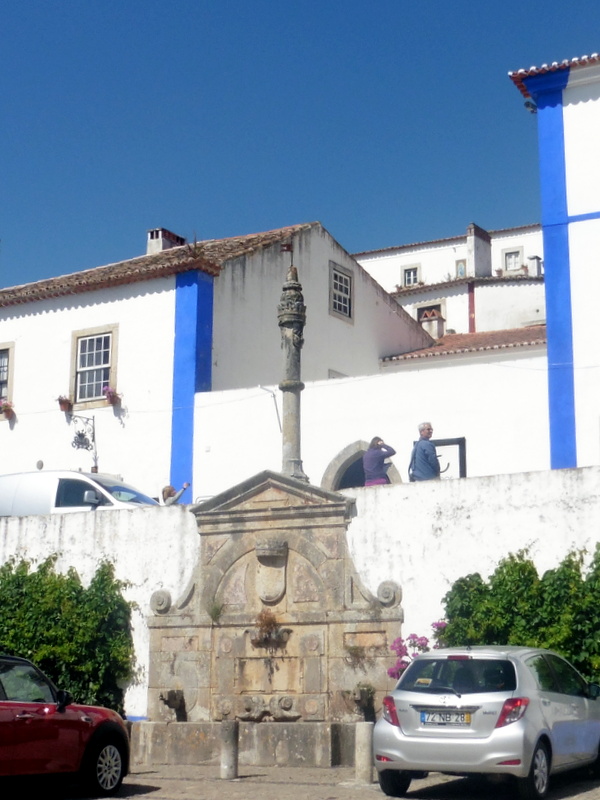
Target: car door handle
pixel 25 716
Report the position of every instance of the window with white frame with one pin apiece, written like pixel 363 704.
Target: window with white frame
pixel 95 363
pixel 3 374
pixel 513 259
pixel 410 275
pixel 6 364
pixel 340 291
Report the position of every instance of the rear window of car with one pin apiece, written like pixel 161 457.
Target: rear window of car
pixel 461 676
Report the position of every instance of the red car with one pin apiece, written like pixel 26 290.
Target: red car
pixel 42 732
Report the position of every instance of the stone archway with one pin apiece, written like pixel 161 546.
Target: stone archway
pixel 347 465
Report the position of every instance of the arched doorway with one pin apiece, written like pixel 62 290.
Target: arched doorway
pixel 345 471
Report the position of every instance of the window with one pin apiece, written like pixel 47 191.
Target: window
pixel 410 276
pixel 513 259
pixel 542 673
pixel 3 373
pixel 22 683
pixel 6 364
pixel 340 291
pixel 569 680
pixel 94 363
pixel 70 493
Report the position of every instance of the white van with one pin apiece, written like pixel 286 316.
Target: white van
pixel 58 492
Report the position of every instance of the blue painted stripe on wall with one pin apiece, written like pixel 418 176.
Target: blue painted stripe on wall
pixel 584 217
pixel 547 92
pixel 192 359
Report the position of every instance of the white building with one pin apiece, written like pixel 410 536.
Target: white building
pixel 159 329
pixel 567 100
pixel 480 281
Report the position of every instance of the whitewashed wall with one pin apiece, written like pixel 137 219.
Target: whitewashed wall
pixel 436 261
pixel 505 305
pixel 512 239
pixel 247 340
pixel 499 305
pixel 454 302
pixel 498 403
pixel 426 536
pixel 423 536
pixel 153 548
pixel 581 116
pixel 133 440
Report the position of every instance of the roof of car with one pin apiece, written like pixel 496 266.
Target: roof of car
pixel 18 659
pixel 484 649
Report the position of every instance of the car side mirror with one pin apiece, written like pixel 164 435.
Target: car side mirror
pixel 90 498
pixel 593 691
pixel 63 699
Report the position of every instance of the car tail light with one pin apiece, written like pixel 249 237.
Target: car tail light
pixel 512 710
pixel 389 711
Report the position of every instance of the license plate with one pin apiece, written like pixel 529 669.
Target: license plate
pixel 445 717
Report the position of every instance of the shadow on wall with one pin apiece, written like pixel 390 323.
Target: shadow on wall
pixel 345 471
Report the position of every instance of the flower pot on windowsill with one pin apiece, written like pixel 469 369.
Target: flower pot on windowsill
pixel 112 397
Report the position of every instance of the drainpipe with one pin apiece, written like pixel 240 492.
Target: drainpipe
pixel 471 290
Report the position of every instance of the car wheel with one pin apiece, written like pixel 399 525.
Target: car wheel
pixel 105 767
pixel 393 782
pixel 535 785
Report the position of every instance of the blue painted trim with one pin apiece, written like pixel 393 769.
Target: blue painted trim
pixel 584 217
pixel 547 92
pixel 192 360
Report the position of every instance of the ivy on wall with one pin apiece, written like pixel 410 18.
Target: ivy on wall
pixel 559 610
pixel 80 637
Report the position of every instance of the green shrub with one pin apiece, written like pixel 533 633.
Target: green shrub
pixel 80 637
pixel 559 611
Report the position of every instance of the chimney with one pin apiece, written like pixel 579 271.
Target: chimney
pixel 433 322
pixel 161 239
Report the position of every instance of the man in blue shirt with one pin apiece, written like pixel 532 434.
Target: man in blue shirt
pixel 424 464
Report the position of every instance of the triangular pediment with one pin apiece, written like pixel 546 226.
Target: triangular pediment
pixel 271 490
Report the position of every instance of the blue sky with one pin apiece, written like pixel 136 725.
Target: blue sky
pixel 389 121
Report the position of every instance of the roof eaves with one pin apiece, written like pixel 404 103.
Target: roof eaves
pixel 119 274
pixel 403 291
pixel 429 353
pixel 207 256
pixel 518 76
pixel 409 246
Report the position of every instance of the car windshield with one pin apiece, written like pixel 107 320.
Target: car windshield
pixel 124 493
pixel 458 674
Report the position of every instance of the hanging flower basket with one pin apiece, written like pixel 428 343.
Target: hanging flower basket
pixel 64 403
pixel 7 409
pixel 112 396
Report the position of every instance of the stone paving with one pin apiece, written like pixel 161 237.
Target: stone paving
pixel 336 783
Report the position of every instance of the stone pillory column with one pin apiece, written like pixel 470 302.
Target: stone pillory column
pixel 291 314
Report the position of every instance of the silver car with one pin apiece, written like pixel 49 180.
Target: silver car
pixel 515 711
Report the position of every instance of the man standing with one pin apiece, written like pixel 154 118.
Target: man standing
pixel 424 464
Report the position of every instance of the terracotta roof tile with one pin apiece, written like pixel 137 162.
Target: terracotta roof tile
pixel 207 256
pixel 460 238
pixel 455 343
pixel 518 76
pixel 404 291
